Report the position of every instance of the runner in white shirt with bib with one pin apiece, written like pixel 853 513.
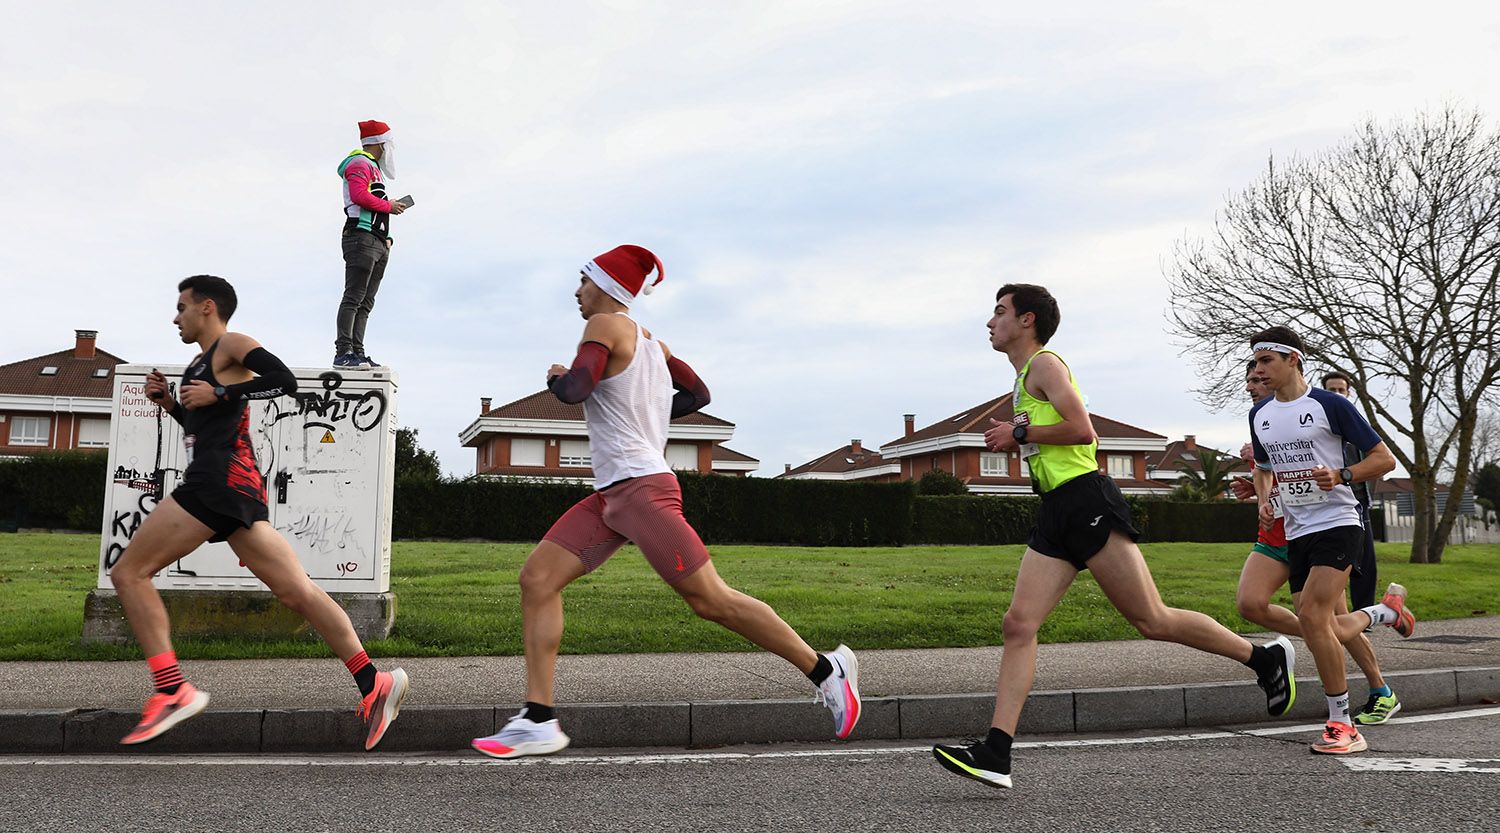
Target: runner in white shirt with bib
pixel 1298 435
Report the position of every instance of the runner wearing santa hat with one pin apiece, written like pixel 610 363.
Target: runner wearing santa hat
pixel 367 237
pixel 625 379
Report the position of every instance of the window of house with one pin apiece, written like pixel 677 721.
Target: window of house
pixel 30 430
pixel 1121 466
pixel 994 465
pixel 1025 468
pixel 575 454
pixel 682 456
pixel 93 433
pixel 528 452
pixel 49 370
pixel 101 373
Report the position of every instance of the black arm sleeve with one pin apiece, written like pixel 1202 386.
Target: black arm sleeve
pixel 175 412
pixel 272 378
pixel 692 394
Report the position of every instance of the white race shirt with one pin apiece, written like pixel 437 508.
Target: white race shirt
pixel 1293 439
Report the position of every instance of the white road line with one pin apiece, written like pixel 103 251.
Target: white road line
pixel 465 760
pixel 1422 764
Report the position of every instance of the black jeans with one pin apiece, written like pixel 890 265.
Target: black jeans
pixel 365 258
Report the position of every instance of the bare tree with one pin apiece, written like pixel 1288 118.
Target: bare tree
pixel 1384 255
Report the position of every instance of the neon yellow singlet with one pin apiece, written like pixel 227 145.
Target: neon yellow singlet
pixel 1051 465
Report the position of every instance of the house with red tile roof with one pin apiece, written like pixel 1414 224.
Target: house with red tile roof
pixel 540 437
pixel 955 444
pixel 58 401
pixel 852 462
pixel 1163 465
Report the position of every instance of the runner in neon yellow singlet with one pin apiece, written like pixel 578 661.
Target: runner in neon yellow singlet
pixel 1084 524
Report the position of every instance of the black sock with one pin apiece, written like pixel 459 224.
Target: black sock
pixel 536 712
pixel 820 672
pixel 365 679
pixel 998 742
pixel 1261 661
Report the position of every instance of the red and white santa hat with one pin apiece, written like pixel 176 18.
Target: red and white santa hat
pixel 623 272
pixel 379 133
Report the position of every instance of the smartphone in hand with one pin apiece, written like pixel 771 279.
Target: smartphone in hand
pixel 406 201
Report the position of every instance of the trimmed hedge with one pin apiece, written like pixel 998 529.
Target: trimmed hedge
pixel 722 509
pixel 495 509
pixel 65 490
pixel 754 510
pixel 973 519
pixel 1165 520
pixel 991 519
pixel 53 490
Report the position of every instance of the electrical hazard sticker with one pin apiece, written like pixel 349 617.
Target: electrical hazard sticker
pixel 327 437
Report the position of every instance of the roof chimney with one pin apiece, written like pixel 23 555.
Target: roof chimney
pixel 911 423
pixel 1191 441
pixel 484 405
pixel 83 345
pixel 787 469
pixel 855 447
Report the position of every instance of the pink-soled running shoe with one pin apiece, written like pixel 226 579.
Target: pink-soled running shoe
pixel 840 692
pixel 163 711
pixel 380 707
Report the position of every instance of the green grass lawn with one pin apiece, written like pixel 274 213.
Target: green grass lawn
pixel 457 599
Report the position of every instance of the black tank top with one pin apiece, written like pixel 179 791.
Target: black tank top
pixel 218 439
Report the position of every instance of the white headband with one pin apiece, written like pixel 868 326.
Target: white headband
pixel 1277 346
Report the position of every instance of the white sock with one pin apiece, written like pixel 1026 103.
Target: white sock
pixel 1338 708
pixel 1379 614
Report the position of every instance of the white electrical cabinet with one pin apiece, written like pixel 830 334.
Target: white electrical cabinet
pixel 327 454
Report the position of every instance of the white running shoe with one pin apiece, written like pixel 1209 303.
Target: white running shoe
pixel 522 737
pixel 840 691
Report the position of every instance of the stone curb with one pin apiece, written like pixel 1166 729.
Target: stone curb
pixel 719 723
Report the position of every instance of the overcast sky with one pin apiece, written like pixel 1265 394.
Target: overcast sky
pixel 836 189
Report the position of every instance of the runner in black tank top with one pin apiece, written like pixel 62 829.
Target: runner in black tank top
pixel 222 497
pixel 222 486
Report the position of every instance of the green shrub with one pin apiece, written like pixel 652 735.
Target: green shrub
pixel 939 482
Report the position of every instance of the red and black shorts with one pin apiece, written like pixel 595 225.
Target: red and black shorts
pixel 644 510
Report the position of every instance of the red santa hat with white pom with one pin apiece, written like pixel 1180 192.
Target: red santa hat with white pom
pixel 625 272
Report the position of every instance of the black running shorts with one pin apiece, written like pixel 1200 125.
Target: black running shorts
pixel 1077 517
pixel 220 508
pixel 1339 548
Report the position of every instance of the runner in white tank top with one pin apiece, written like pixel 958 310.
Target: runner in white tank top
pixel 627 415
pixel 625 379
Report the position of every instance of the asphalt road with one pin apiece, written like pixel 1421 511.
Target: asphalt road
pixel 1207 781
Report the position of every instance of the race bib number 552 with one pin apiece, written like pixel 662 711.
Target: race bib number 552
pixel 1298 488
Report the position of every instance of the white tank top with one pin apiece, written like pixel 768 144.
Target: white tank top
pixel 627 416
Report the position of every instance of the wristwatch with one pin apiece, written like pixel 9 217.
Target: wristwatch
pixel 1346 476
pixel 220 393
pixel 1019 432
